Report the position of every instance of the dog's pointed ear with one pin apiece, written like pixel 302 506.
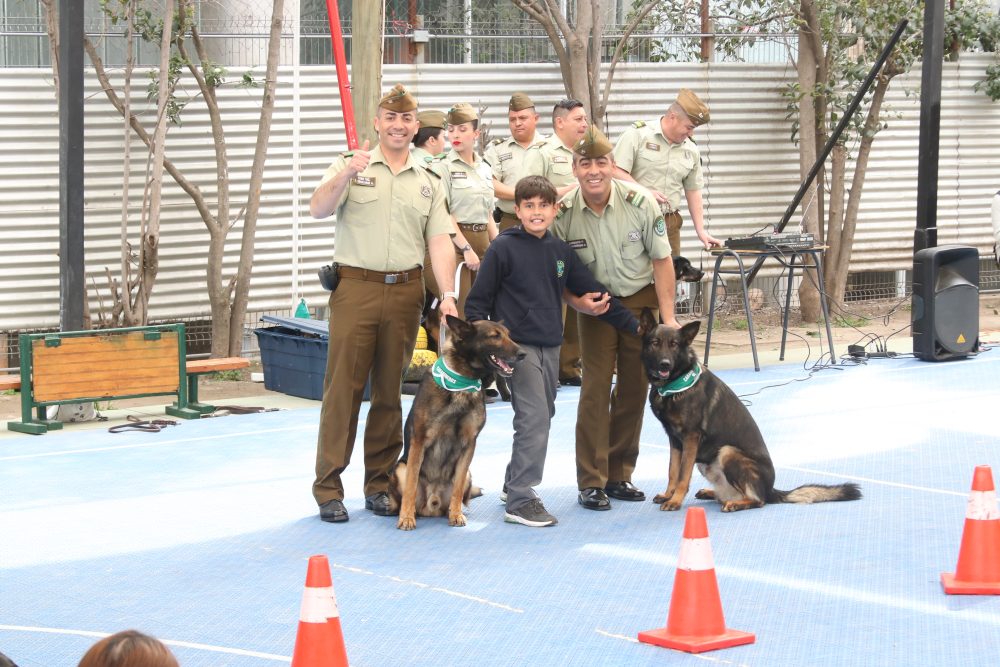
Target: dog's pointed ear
pixel 458 326
pixel 646 321
pixel 689 331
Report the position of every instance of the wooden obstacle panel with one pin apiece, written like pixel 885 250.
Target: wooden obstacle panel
pixel 134 363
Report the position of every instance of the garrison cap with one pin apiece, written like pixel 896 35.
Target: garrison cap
pixel 696 110
pixel 398 99
pixel 462 113
pixel 520 102
pixel 593 144
pixel 432 118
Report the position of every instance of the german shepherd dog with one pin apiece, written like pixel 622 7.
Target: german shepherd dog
pixel 708 424
pixel 685 271
pixel 439 437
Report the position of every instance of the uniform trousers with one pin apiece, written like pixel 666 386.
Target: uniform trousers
pixel 507 220
pixel 480 241
pixel 373 329
pixel 569 352
pixel 533 395
pixel 674 221
pixel 609 420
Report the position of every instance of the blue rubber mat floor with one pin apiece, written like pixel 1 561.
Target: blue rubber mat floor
pixel 200 535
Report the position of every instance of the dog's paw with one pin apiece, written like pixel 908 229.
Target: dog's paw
pixel 406 522
pixel 705 494
pixel 670 505
pixel 661 497
pixel 457 520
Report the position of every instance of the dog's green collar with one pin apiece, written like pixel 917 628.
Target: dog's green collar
pixel 682 383
pixel 449 380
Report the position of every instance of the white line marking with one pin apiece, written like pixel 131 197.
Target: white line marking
pixel 838 475
pixel 438 589
pixel 168 642
pixel 893 601
pixel 158 443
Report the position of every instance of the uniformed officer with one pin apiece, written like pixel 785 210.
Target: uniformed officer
pixel 507 155
pixel 618 231
pixel 388 207
pixel 468 187
pixel 661 156
pixel 428 142
pixel 553 159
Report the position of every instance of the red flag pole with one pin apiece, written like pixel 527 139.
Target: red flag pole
pixel 340 60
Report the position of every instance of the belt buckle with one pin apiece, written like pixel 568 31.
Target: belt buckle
pixel 393 278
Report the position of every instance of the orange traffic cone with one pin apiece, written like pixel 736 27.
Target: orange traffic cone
pixel 319 641
pixel 695 622
pixel 978 570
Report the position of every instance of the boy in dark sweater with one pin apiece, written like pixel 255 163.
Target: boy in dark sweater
pixel 521 282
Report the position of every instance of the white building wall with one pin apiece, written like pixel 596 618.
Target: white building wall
pixel 751 166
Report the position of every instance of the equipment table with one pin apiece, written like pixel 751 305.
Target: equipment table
pixel 787 257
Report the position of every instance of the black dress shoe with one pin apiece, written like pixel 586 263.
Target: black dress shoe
pixel 571 381
pixel 333 511
pixel 594 499
pixel 378 503
pixel 624 491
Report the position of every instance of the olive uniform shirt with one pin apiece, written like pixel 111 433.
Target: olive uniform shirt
pixel 656 163
pixel 384 221
pixel 506 157
pixel 468 188
pixel 619 245
pixel 423 156
pixel 551 159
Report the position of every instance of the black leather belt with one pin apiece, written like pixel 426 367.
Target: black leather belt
pixel 380 276
pixel 473 226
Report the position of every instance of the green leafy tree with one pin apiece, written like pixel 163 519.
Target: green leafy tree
pixel 837 44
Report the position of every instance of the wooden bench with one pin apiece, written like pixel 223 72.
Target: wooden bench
pixel 85 366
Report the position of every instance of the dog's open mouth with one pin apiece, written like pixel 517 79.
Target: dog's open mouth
pixel 502 366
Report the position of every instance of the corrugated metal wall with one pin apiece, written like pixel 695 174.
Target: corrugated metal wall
pixel 752 171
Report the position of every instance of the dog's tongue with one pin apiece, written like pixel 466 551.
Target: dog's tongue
pixel 664 374
pixel 502 364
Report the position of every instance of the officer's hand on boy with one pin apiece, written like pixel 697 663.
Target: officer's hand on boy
pixel 595 303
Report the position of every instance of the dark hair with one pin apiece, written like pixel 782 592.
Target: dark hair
pixel 425 133
pixel 563 107
pixel 129 648
pixel 535 186
pixel 474 122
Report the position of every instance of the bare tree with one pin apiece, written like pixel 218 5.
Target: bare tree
pixel 578 44
pixel 228 293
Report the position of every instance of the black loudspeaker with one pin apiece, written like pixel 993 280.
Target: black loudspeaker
pixel 945 302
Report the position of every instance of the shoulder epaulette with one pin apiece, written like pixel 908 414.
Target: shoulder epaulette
pixel 440 156
pixel 496 142
pixel 562 208
pixel 639 123
pixel 634 197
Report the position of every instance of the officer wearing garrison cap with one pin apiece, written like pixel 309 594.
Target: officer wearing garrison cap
pixel 507 155
pixel 388 208
pixel 618 231
pixel 429 141
pixel 468 186
pixel 660 155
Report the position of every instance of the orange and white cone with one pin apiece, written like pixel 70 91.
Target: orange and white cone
pixel 978 570
pixel 695 622
pixel 319 641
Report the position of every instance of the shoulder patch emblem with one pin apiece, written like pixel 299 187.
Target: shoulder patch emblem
pixel 634 198
pixel 639 123
pixel 560 268
pixel 659 226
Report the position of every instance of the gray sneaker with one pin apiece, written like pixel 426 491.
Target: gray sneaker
pixel 503 493
pixel 531 513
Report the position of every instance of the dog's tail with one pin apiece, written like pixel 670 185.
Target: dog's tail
pixel 816 493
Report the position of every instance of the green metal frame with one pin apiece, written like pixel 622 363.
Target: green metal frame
pixel 185 407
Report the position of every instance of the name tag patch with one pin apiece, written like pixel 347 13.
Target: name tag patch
pixel 559 159
pixel 652 146
pixel 364 181
pixel 457 175
pixel 577 244
pixel 505 156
